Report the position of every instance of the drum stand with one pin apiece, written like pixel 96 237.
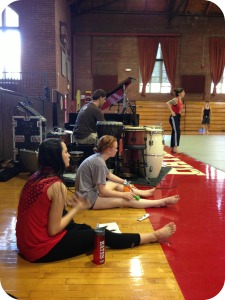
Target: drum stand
pixel 135 163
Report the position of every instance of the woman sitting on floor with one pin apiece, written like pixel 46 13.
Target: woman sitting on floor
pixel 45 231
pixel 91 182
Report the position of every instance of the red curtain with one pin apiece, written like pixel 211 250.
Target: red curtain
pixel 217 60
pixel 147 50
pixel 169 48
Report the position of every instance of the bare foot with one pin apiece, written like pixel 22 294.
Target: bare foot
pixel 144 193
pixel 171 200
pixel 165 232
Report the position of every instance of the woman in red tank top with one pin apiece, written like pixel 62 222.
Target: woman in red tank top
pixel 175 106
pixel 46 231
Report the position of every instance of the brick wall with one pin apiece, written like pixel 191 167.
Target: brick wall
pixel 41 47
pixel 106 46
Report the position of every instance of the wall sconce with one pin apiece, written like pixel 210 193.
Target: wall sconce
pixel 128 70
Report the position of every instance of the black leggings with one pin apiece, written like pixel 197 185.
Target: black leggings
pixel 175 135
pixel 79 239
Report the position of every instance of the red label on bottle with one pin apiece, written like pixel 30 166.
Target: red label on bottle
pixel 99 249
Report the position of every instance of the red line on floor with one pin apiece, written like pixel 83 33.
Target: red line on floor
pixel 196 251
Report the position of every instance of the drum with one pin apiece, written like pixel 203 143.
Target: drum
pixel 154 140
pixel 109 128
pixel 75 158
pixel 132 163
pixel 153 165
pixel 134 138
pixel 64 136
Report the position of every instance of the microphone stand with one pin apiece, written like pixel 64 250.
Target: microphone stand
pixel 126 105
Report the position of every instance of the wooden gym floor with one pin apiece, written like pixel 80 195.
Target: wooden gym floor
pixel 146 272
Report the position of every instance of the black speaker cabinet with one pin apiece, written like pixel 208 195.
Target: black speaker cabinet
pixel 28 133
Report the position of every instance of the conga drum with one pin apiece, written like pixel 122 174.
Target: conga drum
pixel 154 151
pixel 154 140
pixel 109 128
pixel 153 165
pixel 134 144
pixel 134 138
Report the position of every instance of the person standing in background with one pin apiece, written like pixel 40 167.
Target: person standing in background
pixel 175 106
pixel 85 131
pixel 205 117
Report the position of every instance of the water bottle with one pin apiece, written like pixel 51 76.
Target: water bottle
pixel 126 186
pixel 99 246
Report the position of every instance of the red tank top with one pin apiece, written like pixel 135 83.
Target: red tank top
pixel 33 240
pixel 177 108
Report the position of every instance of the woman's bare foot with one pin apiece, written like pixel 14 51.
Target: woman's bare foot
pixel 171 200
pixel 144 193
pixel 165 232
pixel 175 150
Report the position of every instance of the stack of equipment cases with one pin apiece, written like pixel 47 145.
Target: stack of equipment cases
pixel 28 133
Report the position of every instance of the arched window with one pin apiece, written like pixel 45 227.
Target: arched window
pixel 10 41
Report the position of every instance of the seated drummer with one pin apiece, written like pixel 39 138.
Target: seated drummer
pixel 85 131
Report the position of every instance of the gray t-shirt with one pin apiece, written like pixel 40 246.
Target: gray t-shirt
pixel 86 121
pixel 91 172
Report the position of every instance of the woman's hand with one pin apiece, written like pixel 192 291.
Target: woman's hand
pixel 128 196
pixel 76 200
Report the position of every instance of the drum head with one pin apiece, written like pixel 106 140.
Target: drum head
pixel 153 130
pixel 132 128
pixel 76 153
pixel 109 123
pixel 109 128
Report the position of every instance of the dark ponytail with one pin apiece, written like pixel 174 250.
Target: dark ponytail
pixel 177 91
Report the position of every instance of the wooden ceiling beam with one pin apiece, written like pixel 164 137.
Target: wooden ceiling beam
pixel 95 7
pixel 172 9
pixel 187 6
pixel 207 8
pixel 170 6
pixel 175 12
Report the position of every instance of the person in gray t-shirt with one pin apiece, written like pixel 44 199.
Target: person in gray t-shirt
pixel 85 131
pixel 106 190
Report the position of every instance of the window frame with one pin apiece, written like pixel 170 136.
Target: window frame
pixel 220 88
pixel 9 26
pixel 161 85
